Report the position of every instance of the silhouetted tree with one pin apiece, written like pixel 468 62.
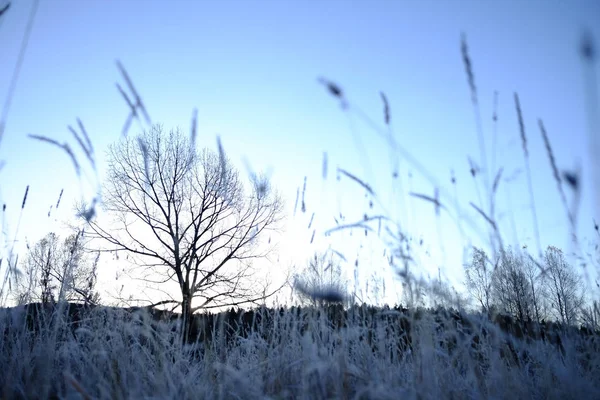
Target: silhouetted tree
pixel 184 215
pixel 590 316
pixel 535 277
pixel 58 270
pixel 564 287
pixel 511 288
pixel 478 279
pixel 320 281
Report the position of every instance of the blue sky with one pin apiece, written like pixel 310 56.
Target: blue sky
pixel 251 70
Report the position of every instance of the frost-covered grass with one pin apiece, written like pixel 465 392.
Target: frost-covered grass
pixel 111 355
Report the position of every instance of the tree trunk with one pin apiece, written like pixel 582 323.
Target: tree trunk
pixel 186 313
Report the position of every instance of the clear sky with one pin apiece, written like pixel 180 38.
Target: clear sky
pixel 251 69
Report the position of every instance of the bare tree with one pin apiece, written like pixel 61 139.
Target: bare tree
pixel 511 288
pixel 535 277
pixel 320 281
pixel 185 216
pixel 478 278
pixel 590 316
pixel 564 287
pixel 58 270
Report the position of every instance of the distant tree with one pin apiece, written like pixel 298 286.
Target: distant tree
pixel 184 216
pixel 320 280
pixel 58 270
pixel 535 277
pixel 564 287
pixel 442 294
pixel 590 316
pixel 478 279
pixel 511 288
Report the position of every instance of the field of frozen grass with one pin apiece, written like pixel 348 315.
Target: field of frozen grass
pixel 379 354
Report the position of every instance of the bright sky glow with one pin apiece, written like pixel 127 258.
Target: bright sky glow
pixel 252 68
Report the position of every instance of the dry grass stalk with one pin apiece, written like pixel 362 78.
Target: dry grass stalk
pixel 365 185
pixel 335 91
pixel 25 197
pixel 484 215
pixel 59 197
pixel 86 136
pixel 521 125
pixel 495 190
pixel 495 130
pixel 296 202
pixel 193 130
pixel 83 146
pixel 77 387
pixel 435 200
pixel 17 71
pixel 134 106
pixel 497 180
pixel 588 53
pixel 132 111
pixel 528 170
pixel 386 108
pixel 4 9
pixel 479 126
pixel 555 172
pixel 464 48
pixel 303 205
pixel 64 146
pixel 360 225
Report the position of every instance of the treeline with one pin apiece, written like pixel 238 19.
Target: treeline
pixel 514 284
pixel 395 323
pixel 517 285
